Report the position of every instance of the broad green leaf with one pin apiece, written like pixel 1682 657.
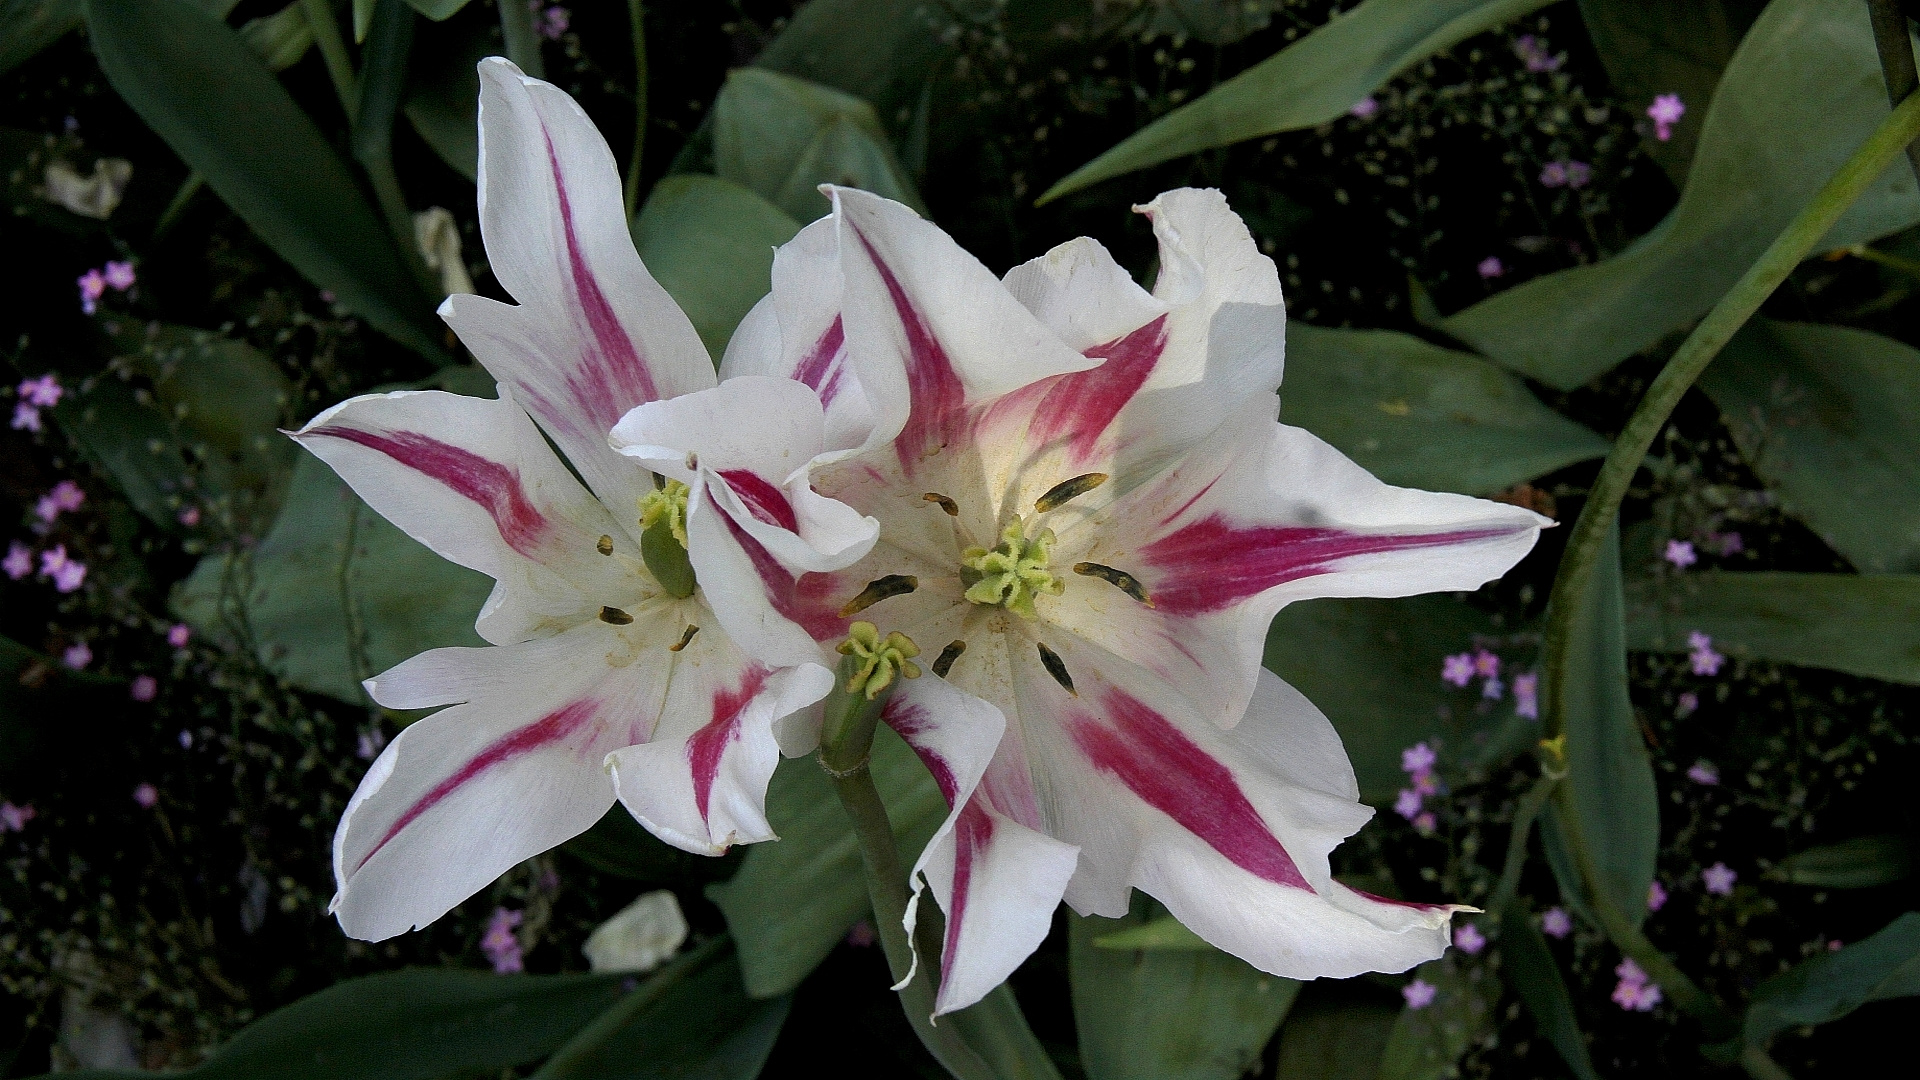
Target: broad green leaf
pixel 1373 666
pixel 997 1030
pixel 334 594
pixel 195 82
pixel 1306 84
pixel 1166 932
pixel 619 846
pixel 1861 863
pixel 794 900
pixel 1866 624
pixel 279 39
pixel 1427 1043
pixel 32 25
pixel 1535 977
pixel 1828 987
pixel 1801 94
pixel 413 1024
pixel 1673 47
pixel 879 50
pixel 443 91
pixel 1422 416
pixel 782 137
pixel 437 10
pixel 186 418
pixel 1160 1015
pixel 1830 417
pixel 710 243
pixel 1338 1031
pixel 1610 774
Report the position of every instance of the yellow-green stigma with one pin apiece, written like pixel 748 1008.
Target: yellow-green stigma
pixel 1012 574
pixel 877 659
pixel 666 503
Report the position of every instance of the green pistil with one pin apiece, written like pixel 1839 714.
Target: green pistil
pixel 663 538
pixel 668 503
pixel 1012 574
pixel 876 660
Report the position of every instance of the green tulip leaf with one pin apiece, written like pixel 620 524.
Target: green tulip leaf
pixel 1866 624
pixel 1308 83
pixel 618 845
pixel 1427 1043
pixel 32 25
pixel 1828 987
pixel 1799 97
pixel 1337 1031
pixel 1421 416
pixel 437 10
pixel 1531 970
pixel 782 137
pixel 1860 863
pixel 1167 1014
pixel 1829 416
pixel 1165 932
pixel 710 244
pixel 881 51
pixel 196 83
pixel 443 91
pixel 279 39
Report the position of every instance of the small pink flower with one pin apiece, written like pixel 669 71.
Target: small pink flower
pixel 77 656
pixel 1681 554
pixel 1701 655
pixel 1418 758
pixel 92 285
pixel 1425 824
pixel 1425 783
pixel 1468 939
pixel 1491 267
pixel 1689 701
pixel 1408 804
pixel 1832 946
pixel 1579 174
pixel 1364 108
pixel 1493 689
pixel 178 635
pixel 44 392
pixel 1704 773
pixel 14 818
pixel 1526 695
pixel 370 744
pixel 1533 52
pixel 19 560
pixel 1656 896
pixel 1457 669
pixel 190 516
pixel 144 688
pixel 1419 993
pixel 67 574
pixel 66 496
pixel 1556 923
pixel 1636 997
pixel 1485 663
pixel 120 275
pixel 25 417
pixel 186 739
pixel 1666 111
pixel 555 22
pixel 1553 175
pixel 1629 971
pixel 1731 544
pixel 500 944
pixel 1719 879
pixel 146 795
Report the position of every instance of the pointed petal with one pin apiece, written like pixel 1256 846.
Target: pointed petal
pixel 1228 320
pixel 594 334
pixel 997 880
pixel 1082 295
pixel 931 330
pixel 472 479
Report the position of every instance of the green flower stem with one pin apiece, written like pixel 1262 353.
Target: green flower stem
pixel 576 1056
pixel 333 49
pixel 846 741
pixel 636 14
pixel 1760 1066
pixel 383 78
pixel 522 41
pixel 1524 815
pixel 1896 60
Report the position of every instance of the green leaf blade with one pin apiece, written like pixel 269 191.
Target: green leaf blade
pixel 1867 624
pixel 709 243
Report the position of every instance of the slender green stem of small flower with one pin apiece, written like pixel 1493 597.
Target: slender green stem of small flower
pixel 1891 40
pixel 1909 267
pixel 333 49
pixel 636 14
pixel 1524 815
pixel 1761 1067
pixel 574 1058
pixel 522 40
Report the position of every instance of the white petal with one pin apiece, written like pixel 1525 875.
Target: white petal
pixel 472 479
pixel 1209 267
pixel 594 334
pixel 1082 295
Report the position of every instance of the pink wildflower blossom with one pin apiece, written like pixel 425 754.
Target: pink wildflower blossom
pixel 1485 663
pixel 1364 108
pixel 1553 175
pixel 1704 660
pixel 77 656
pixel 1457 669
pixel 1534 53
pixel 1666 111
pixel 25 417
pixel 1419 993
pixel 554 23
pixel 66 496
pixel 1491 267
pixel 1425 783
pixel 1719 879
pixel 500 944
pixel 1656 896
pixel 371 743
pixel 146 795
pixel 1579 174
pixel 1681 554
pixel 1689 701
pixel 1493 689
pixel 190 516
pixel 1704 773
pixel 144 688
pixel 19 560
pixel 120 275
pixel 14 818
pixel 1418 758
pixel 178 635
pixel 1425 824
pixel 44 392
pixel 1468 939
pixel 92 285
pixel 1408 804
pixel 1526 695
pixel 1556 923
pixel 67 574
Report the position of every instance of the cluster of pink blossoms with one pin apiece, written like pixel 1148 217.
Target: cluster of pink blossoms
pixel 1634 991
pixel 36 394
pixel 1701 656
pixel 1656 896
pixel 1666 111
pixel 66 572
pixel 1533 52
pixel 552 22
pixel 94 284
pixel 1417 762
pixel 1567 174
pixel 500 944
pixel 65 497
pixel 14 818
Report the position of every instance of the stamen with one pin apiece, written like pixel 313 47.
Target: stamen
pixel 944 662
pixel 1066 490
pixel 879 589
pixel 1119 579
pixel 1051 661
pixel 878 659
pixel 684 638
pixel 952 508
pixel 615 616
pixel 1012 574
pixel 605 545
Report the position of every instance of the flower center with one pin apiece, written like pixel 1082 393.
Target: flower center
pixel 1012 574
pixel 663 537
pixel 876 659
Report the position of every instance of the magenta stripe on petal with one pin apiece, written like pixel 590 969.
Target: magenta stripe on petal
pixel 1081 405
pixel 708 745
pixel 494 487
pixel 933 387
pixel 611 377
pixel 971 834
pixel 1209 564
pixel 1172 774
pixel 763 500
pixel 555 727
pixel 805 601
pixel 911 721
pixel 823 367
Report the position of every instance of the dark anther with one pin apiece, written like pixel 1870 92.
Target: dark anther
pixel 952 508
pixel 944 662
pixel 684 638
pixel 879 589
pixel 1119 579
pixel 1051 661
pixel 605 546
pixel 615 616
pixel 1067 490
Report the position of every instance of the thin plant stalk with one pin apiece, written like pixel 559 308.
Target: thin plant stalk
pixel 382 82
pixel 333 50
pixel 1895 46
pixel 522 40
pixel 637 15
